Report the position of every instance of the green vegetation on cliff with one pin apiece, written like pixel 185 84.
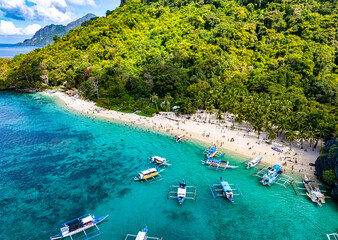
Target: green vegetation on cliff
pixel 272 63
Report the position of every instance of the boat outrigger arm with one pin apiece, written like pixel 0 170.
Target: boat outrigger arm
pixel 332 236
pixel 80 225
pixel 142 235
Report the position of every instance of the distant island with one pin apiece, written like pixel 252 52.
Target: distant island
pixel 45 35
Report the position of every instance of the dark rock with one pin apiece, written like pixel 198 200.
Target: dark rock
pixel 328 160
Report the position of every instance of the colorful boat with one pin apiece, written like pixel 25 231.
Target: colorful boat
pixel 160 161
pixel 227 191
pixel 254 162
pixel 148 174
pixel 180 137
pixel 313 191
pixel 272 175
pixel 79 225
pixel 212 152
pixel 181 192
pixel 218 163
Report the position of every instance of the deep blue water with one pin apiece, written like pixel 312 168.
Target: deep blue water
pixel 56 165
pixel 11 50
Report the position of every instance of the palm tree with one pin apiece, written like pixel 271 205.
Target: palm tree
pixel 290 136
pixel 154 99
pixel 167 100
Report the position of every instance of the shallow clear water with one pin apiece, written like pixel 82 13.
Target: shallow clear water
pixel 56 165
pixel 11 50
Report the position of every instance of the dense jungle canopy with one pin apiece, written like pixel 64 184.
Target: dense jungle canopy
pixel 271 63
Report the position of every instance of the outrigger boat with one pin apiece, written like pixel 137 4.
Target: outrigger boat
pixel 217 163
pixel 313 191
pixel 227 191
pixel 79 225
pixel 181 193
pixel 254 162
pixel 223 189
pixel 149 174
pixel 142 235
pixel 180 138
pixel 272 175
pixel 212 152
pixel 160 161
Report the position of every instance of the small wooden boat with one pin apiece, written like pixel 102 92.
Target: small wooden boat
pixel 212 152
pixel 217 163
pixel 224 189
pixel 142 235
pixel 79 225
pixel 37 98
pixel 227 191
pixel 254 162
pixel 181 192
pixel 313 191
pixel 160 161
pixel 149 174
pixel 272 175
pixel 180 137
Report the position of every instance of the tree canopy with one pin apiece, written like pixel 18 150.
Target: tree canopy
pixel 271 63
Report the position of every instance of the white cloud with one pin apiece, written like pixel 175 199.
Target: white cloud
pixel 53 10
pixel 83 2
pixel 31 29
pixel 8 28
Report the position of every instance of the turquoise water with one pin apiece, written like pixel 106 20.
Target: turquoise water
pixel 56 165
pixel 11 50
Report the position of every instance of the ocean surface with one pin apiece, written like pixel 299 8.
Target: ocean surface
pixel 11 50
pixel 56 165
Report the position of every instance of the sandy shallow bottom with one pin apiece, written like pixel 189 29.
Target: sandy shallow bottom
pixel 56 165
pixel 205 128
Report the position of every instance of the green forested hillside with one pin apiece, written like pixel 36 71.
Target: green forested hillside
pixel 273 63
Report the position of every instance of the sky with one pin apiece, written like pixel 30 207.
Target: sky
pixel 20 19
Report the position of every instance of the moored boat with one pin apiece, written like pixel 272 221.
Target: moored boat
pixel 181 192
pixel 79 225
pixel 217 163
pixel 148 174
pixel 212 152
pixel 227 191
pixel 254 162
pixel 272 175
pixel 160 161
pixel 180 137
pixel 313 191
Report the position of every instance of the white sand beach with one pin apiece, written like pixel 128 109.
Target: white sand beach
pixel 204 127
